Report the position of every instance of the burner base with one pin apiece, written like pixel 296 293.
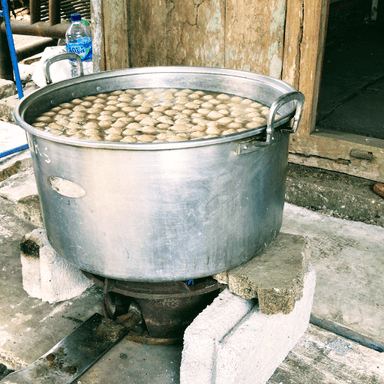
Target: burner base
pixel 166 309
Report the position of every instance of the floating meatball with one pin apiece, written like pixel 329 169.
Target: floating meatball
pixel 153 116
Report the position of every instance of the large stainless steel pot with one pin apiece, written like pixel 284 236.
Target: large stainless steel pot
pixel 166 211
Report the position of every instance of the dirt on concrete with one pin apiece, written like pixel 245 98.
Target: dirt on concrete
pixel 334 194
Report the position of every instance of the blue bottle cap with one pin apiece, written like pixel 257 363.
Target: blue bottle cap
pixel 76 17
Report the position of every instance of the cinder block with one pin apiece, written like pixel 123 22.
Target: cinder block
pixel 205 332
pixel 247 350
pixel 46 275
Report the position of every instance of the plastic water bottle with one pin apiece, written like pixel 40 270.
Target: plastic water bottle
pixel 79 40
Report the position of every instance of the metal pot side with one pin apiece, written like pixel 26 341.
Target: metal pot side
pixel 159 213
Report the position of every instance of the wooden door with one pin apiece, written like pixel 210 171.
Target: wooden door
pixel 304 48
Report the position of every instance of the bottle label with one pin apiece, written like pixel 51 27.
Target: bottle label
pixel 83 47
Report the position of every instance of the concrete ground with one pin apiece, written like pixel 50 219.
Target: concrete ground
pixel 348 248
pixel 347 257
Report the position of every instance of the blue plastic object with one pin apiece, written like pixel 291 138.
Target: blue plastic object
pixel 14 150
pixel 5 13
pixel 75 17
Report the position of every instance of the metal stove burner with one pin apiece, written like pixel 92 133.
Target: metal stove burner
pixel 162 311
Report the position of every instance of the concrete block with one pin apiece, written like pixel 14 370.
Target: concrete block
pixel 7 88
pixel 8 104
pixel 46 275
pixel 248 351
pixel 205 332
pixel 18 184
pixel 275 277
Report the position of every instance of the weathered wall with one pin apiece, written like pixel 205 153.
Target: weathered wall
pixel 254 35
pixel 177 33
pixel 240 34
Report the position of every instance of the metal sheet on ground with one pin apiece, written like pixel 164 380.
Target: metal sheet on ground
pixel 73 355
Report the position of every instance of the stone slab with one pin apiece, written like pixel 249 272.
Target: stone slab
pixel 7 105
pixel 7 88
pixel 14 163
pixel 17 181
pixel 19 185
pixel 275 277
pixel 348 259
pixel 321 357
pixel 11 136
pixel 251 350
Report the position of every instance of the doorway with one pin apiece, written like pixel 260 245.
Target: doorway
pixel 351 98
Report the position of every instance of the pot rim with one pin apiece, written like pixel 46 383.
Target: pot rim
pixel 24 103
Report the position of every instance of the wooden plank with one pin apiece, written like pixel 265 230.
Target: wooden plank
pixel 97 26
pixel 116 22
pixel 311 56
pixel 332 151
pixel 35 7
pixel 292 42
pixel 302 68
pixel 254 38
pixel 148 32
pixel 303 53
pixel 177 33
pixel 374 9
pixel 197 36
pixel 321 357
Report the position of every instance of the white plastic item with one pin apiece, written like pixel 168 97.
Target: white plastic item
pixel 79 40
pixel 60 70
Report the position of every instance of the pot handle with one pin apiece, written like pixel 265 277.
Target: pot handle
pixel 64 56
pixel 276 105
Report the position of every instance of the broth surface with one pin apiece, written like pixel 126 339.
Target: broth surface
pixel 153 116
